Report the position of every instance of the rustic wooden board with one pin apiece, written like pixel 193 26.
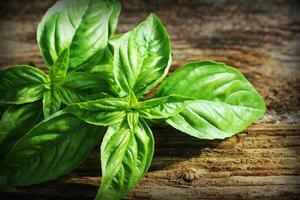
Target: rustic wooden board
pixel 260 38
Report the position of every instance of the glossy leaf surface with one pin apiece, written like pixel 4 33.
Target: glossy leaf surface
pixel 103 112
pixel 16 121
pixel 142 57
pixel 52 148
pixel 163 107
pixel 125 158
pixel 51 102
pixel 84 26
pixel 22 84
pixel 227 103
pixel 133 120
pixel 58 71
pixel 80 86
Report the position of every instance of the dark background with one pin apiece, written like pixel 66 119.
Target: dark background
pixel 261 38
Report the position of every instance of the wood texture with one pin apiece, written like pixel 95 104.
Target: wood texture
pixel 260 38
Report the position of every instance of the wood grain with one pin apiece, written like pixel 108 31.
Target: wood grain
pixel 260 38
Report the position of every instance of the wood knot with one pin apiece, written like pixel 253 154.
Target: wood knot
pixel 188 176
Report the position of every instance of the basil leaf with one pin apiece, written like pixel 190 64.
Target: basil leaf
pixel 227 103
pixel 125 158
pixel 52 148
pixel 58 71
pixel 105 68
pixel 132 100
pixel 133 120
pixel 163 107
pixel 115 8
pixel 103 112
pixel 22 84
pixel 106 64
pixel 80 86
pixel 142 58
pixel 84 26
pixel 51 102
pixel 16 121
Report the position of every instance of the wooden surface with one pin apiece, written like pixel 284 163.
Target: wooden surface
pixel 260 38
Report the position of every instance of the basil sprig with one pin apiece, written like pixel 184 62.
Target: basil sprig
pixel 103 82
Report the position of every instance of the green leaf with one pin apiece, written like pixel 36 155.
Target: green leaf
pixel 58 71
pixel 106 64
pixel 52 148
pixel 226 102
pixel 51 102
pixel 142 58
pixel 163 107
pixel 125 158
pixel 133 120
pixel 115 8
pixel 80 86
pixel 84 26
pixel 132 100
pixel 105 67
pixel 22 84
pixel 103 112
pixel 16 121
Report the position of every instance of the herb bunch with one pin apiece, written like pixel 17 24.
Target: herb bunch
pixel 96 90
